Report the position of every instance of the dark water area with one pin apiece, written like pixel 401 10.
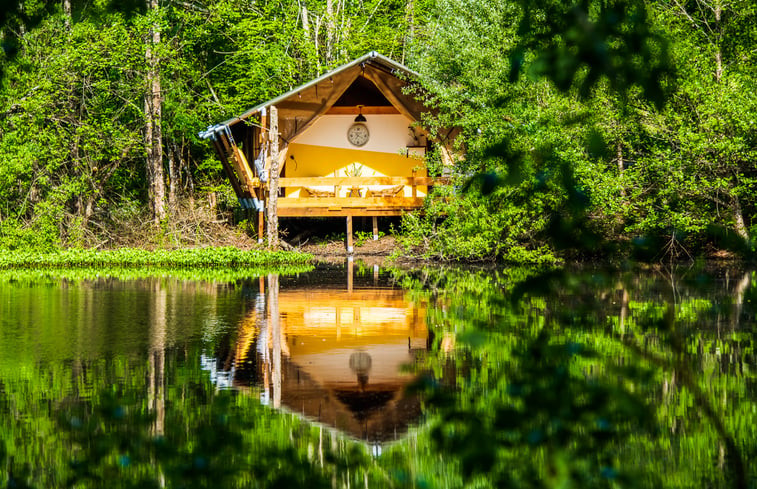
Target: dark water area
pixel 357 376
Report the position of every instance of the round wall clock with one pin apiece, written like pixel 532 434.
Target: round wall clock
pixel 358 134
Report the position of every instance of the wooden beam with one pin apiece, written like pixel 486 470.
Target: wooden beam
pixel 241 193
pixel 375 228
pixel 356 202
pixel 339 212
pixel 273 184
pixel 353 110
pixel 242 168
pixel 357 181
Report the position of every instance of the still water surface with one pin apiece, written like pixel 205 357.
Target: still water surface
pixel 313 380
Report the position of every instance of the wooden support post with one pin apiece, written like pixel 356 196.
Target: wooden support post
pixel 273 182
pixel 375 228
pixel 350 248
pixel 351 279
pixel 261 226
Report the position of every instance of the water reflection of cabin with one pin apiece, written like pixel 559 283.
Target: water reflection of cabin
pixel 335 356
pixel 348 145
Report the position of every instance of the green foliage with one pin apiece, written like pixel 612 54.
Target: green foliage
pixel 222 257
pixel 362 237
pixel 593 161
pixel 73 87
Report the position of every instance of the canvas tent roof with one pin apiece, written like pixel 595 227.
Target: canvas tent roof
pixel 300 107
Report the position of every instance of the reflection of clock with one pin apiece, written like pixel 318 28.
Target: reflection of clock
pixel 357 134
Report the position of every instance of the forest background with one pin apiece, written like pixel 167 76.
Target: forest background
pixel 600 128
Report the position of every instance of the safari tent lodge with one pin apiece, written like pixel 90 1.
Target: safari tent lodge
pixel 346 144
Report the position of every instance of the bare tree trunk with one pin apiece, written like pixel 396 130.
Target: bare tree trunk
pixel 273 182
pixel 410 19
pixel 67 13
pixel 174 160
pixel 316 32
pixel 153 120
pixel 330 30
pixel 621 165
pixel 305 22
pixel 718 51
pixel 738 217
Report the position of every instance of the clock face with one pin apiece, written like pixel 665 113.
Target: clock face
pixel 358 134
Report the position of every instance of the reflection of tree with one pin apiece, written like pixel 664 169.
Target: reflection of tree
pixel 568 368
pixel 274 322
pixel 156 365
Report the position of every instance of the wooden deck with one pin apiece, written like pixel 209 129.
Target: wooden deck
pixel 372 200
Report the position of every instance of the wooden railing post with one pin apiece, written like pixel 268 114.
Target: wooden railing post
pixel 273 182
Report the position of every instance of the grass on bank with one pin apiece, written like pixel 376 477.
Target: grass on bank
pixel 78 274
pixel 211 257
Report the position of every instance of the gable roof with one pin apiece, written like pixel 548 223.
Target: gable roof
pixel 299 107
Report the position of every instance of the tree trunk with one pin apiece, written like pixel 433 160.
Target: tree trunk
pixel 174 161
pixel 273 182
pixel 305 22
pixel 738 217
pixel 330 31
pixel 153 119
pixel 621 164
pixel 718 50
pixel 67 13
pixel 410 19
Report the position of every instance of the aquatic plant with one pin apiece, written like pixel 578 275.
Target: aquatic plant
pixel 134 257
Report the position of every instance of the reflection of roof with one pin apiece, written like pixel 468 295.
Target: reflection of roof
pixel 342 357
pixel 378 413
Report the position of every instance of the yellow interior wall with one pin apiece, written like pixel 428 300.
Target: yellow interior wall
pixel 322 161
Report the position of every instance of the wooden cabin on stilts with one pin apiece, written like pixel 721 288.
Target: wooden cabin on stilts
pixel 346 144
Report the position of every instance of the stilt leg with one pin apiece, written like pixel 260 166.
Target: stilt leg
pixel 261 226
pixel 350 248
pixel 375 228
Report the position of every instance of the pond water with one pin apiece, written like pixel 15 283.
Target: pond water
pixel 356 376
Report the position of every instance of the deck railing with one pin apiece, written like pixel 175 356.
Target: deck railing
pixel 365 195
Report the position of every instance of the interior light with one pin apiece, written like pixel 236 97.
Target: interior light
pixel 360 117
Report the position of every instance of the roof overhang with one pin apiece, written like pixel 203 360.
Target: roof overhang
pixel 373 59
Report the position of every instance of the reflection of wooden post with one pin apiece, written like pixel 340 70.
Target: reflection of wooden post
pixel 275 324
pixel 350 249
pixel 273 183
pixel 375 228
